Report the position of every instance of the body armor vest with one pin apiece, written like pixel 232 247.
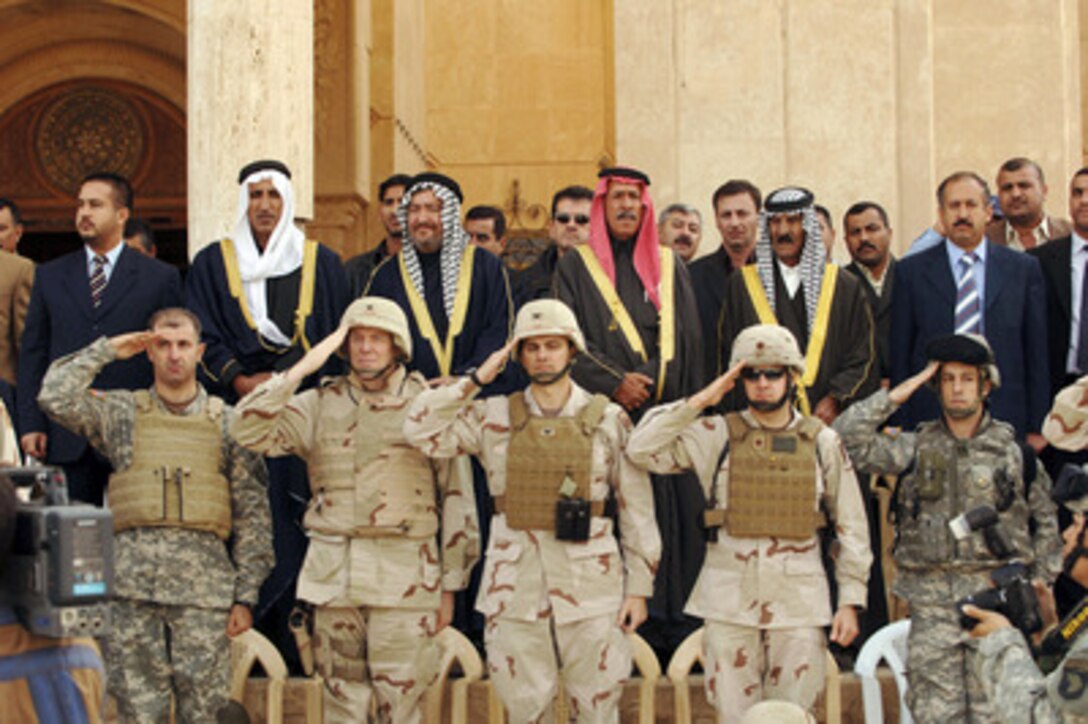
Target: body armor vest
pixel 953 476
pixel 543 454
pixel 174 479
pixel 367 481
pixel 772 481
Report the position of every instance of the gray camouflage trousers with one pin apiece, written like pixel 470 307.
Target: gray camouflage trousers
pixel 746 665
pixel 942 681
pixel 386 653
pixel 525 660
pixel 154 650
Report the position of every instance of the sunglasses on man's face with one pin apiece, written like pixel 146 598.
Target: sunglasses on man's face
pixel 580 219
pixel 750 373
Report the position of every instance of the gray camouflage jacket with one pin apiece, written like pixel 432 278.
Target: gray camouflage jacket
pixel 1020 691
pixel 168 565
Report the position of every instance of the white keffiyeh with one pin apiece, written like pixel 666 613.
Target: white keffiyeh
pixel 281 256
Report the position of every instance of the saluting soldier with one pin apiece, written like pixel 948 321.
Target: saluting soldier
pixel 950 466
pixel 773 477
pixel 190 510
pixel 381 583
pixel 557 592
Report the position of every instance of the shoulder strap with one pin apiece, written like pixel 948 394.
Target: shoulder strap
pixel 214 408
pixel 142 399
pixel 738 428
pixel 612 300
pixel 592 414
pixel 809 427
pixel 306 291
pixel 519 411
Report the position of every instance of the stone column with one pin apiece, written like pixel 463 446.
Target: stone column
pixel 250 96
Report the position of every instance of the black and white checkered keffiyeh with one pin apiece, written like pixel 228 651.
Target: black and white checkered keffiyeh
pixel 454 241
pixel 813 258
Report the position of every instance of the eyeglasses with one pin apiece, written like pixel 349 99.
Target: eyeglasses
pixel 750 373
pixel 580 219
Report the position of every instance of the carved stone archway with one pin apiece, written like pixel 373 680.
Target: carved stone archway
pixel 62 132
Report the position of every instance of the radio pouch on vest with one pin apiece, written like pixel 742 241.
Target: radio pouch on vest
pixel 549 461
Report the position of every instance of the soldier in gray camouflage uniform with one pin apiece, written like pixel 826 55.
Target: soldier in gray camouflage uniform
pixel 1021 692
pixel 948 467
pixel 191 515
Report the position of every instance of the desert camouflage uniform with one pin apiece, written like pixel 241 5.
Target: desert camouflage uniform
pixel 935 571
pixel 1066 425
pixel 551 606
pixel 376 593
pixel 765 601
pixel 174 586
pixel 1021 693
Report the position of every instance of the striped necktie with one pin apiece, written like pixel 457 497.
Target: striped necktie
pixel 98 279
pixel 968 309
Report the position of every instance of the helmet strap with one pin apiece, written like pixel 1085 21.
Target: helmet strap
pixel 546 379
pixel 372 375
pixel 773 405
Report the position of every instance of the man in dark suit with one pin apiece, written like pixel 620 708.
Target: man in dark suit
pixel 1063 262
pixel 104 289
pixel 869 239
pixel 736 203
pixel 968 284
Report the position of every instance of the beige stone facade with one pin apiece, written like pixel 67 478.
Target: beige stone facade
pixel 873 99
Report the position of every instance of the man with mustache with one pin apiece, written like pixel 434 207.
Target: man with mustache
pixel 1024 223
pixel 634 303
pixel 456 296
pixel 792 284
pixel 265 295
pixel 569 227
pixel 105 288
pixel 1021 191
pixel 680 227
pixel 869 239
pixel 968 284
pixel 736 203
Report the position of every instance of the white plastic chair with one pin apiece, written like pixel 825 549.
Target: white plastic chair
pixel 889 644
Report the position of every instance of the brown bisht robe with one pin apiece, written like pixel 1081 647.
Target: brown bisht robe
pixel 678 499
pixel 848 365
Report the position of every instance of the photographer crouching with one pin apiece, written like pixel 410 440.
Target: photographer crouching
pixel 1023 689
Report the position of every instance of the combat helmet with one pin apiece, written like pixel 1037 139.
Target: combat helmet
pixel 968 349
pixel 767 344
pixel 547 317
pixel 380 313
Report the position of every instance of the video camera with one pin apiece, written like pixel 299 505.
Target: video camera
pixel 1012 596
pixel 59 575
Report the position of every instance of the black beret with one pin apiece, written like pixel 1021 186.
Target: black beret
pixel 625 172
pixel 266 165
pixel 788 200
pixel 958 348
pixel 441 180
